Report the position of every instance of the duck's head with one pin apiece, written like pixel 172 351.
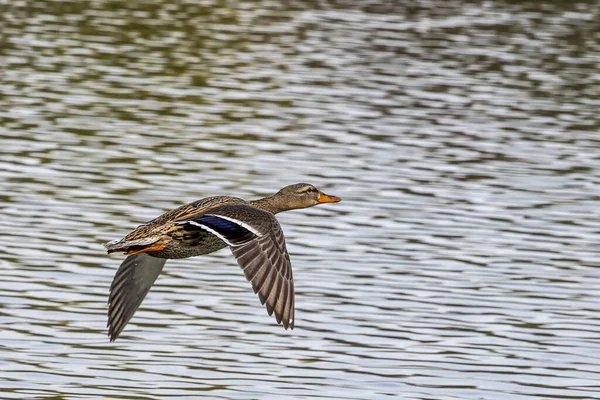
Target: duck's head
pixel 303 195
pixel 299 195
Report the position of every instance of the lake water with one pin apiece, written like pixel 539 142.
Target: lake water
pixel 463 137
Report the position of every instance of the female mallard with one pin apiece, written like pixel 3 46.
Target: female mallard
pixel 250 229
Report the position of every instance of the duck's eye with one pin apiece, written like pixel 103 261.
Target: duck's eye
pixel 307 189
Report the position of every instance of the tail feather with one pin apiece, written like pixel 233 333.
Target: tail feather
pixel 127 246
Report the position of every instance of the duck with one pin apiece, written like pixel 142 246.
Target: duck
pixel 249 228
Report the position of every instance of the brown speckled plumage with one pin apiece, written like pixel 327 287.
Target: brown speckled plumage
pixel 250 229
pixel 179 243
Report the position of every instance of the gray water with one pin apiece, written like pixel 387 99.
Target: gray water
pixel 463 138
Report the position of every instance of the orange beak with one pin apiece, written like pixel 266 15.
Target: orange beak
pixel 325 198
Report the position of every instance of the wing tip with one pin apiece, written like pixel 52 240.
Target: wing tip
pixel 262 299
pixel 289 325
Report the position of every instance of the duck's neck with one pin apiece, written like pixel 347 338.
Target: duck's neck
pixel 273 204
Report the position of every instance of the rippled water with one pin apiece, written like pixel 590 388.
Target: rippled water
pixel 462 136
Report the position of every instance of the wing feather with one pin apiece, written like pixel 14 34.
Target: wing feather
pixel 128 289
pixel 257 242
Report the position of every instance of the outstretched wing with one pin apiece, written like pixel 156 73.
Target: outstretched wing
pixel 258 244
pixel 130 285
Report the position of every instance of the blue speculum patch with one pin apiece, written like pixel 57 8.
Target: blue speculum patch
pixel 228 229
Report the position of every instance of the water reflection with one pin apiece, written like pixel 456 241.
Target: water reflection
pixel 462 137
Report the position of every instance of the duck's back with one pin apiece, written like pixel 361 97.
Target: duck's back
pixel 183 243
pixel 193 209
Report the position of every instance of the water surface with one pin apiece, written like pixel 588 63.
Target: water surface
pixel 462 136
